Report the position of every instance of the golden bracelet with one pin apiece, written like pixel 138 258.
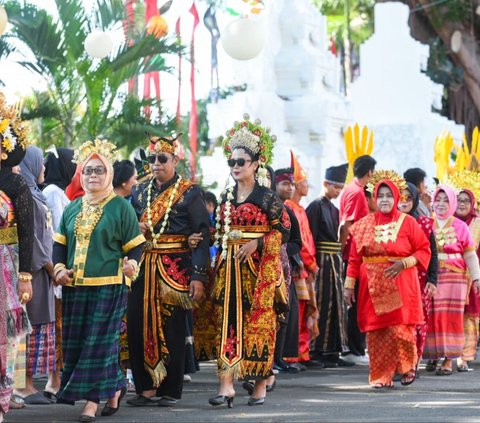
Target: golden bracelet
pixel 409 262
pixel 350 282
pixel 57 269
pixel 24 277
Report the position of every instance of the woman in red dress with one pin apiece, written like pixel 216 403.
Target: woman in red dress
pixel 386 249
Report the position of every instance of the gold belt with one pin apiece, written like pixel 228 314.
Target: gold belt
pixel 329 247
pixel 8 236
pixel 240 237
pixel 168 242
pixel 379 259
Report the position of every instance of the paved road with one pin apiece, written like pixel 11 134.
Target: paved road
pixel 327 395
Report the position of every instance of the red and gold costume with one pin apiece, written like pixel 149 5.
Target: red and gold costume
pixel 388 309
pixel 243 293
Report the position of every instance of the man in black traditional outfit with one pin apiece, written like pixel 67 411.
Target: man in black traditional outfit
pixel 172 276
pixel 323 217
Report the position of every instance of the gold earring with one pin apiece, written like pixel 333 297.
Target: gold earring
pixel 4 156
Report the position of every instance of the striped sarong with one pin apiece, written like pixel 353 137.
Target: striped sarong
pixel 470 330
pixel 92 316
pixel 445 337
pixel 41 349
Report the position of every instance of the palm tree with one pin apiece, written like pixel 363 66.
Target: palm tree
pixel 84 94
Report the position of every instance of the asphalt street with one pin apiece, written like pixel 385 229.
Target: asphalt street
pixel 326 395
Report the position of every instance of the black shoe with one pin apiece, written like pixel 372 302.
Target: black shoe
pixel 301 367
pixel 222 399
pixel 330 364
pixel 344 363
pixel 86 419
pixel 256 401
pixel 313 364
pixel 140 401
pixel 248 386
pixel 167 402
pixel 271 387
pixel 110 411
pixel 285 368
pixel 50 396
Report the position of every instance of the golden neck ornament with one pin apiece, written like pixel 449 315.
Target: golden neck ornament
pixel 88 218
pixel 388 231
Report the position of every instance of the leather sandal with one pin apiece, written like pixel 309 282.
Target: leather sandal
pixel 408 378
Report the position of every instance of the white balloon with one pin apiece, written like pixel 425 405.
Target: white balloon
pixel 98 44
pixel 244 38
pixel 3 20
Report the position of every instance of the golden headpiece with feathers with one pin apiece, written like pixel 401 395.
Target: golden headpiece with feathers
pixel 390 175
pixel 103 148
pixel 13 131
pixel 465 179
pixel 357 144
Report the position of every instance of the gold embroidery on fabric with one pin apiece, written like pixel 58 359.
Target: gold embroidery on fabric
pixel 85 223
pixel 389 231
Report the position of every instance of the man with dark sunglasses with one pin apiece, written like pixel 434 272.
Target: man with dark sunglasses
pixel 172 275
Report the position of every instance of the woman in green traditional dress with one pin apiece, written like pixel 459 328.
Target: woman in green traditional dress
pixel 97 243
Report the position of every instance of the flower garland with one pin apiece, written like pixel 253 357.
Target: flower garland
pixel 156 236
pixel 228 193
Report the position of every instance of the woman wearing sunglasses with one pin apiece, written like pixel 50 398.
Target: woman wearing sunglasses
pixel 97 243
pixel 251 225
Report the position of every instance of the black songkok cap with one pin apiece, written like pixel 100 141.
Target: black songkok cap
pixel 336 174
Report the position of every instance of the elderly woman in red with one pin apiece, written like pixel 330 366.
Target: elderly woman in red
pixel 387 245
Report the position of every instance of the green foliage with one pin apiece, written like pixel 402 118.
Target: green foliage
pixel 86 94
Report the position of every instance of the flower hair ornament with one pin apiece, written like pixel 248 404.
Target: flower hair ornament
pixel 256 139
pixel 13 132
pixel 390 175
pixel 163 144
pixel 103 148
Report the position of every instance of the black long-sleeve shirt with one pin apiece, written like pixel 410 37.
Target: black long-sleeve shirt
pixel 188 215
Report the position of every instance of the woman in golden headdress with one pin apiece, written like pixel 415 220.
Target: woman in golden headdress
pixel 97 243
pixel 251 225
pixel 16 230
pixel 386 247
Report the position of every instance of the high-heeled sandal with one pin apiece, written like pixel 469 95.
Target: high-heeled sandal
pixel 110 411
pixel 256 401
pixel 222 399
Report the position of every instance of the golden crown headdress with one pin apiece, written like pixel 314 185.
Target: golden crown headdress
pixel 163 144
pixel 357 144
pixel 465 179
pixel 390 175
pixel 254 138
pixel 103 148
pixel 13 131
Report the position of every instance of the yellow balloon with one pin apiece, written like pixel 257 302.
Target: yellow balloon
pixel 3 20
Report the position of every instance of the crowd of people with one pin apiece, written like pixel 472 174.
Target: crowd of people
pixel 111 268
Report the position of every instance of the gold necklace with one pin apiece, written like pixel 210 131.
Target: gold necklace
pixel 88 218
pixel 156 236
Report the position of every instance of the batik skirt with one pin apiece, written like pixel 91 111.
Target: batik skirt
pixel 92 318
pixel 41 349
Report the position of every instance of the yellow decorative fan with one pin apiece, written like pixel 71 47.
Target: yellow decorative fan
pixel 465 179
pixel 466 158
pixel 357 143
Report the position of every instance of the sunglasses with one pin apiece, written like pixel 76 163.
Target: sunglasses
pixel 239 162
pixel 99 170
pixel 161 159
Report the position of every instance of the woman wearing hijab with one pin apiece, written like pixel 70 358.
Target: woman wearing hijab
pixel 456 255
pixel 466 212
pixel 41 309
pixel 16 243
pixel 97 243
pixel 386 249
pixel 59 171
pixel 428 278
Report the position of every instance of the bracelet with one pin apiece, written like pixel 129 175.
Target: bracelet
pixel 24 277
pixel 409 261
pixel 350 282
pixel 57 269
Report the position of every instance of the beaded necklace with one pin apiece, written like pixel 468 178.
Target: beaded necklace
pixel 156 236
